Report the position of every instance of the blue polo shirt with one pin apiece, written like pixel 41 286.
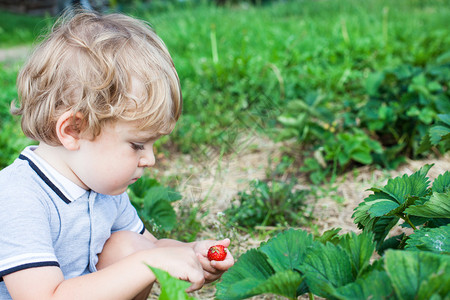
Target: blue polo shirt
pixel 47 220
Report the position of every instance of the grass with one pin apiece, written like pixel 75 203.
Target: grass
pixel 18 29
pixel 242 64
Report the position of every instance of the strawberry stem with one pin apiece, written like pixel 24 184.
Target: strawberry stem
pixel 406 218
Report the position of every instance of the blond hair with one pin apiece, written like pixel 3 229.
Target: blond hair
pixel 87 65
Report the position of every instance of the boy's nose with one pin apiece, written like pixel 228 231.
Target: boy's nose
pixel 147 159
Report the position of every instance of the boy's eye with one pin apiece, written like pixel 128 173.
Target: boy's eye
pixel 136 146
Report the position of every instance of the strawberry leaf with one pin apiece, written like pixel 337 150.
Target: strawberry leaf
pixel 400 188
pixel 331 235
pixel 160 211
pixel 360 248
pixel 253 275
pixel 439 133
pixel 376 285
pixel 418 274
pixel 287 250
pixel 381 207
pixel 248 272
pixel 430 239
pixel 327 267
pixel 171 287
pixel 442 183
pixel 379 226
pixel 437 207
pixel 283 283
pixel 400 209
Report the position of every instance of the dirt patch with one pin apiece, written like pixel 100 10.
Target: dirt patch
pixel 352 188
pixel 214 183
pixel 12 54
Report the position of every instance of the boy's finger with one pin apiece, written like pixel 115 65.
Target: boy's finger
pixel 197 280
pixel 206 264
pixel 225 242
pixel 225 264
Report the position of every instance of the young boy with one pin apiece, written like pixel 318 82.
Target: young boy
pixel 96 94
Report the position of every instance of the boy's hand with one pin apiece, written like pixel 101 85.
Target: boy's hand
pixel 180 262
pixel 213 269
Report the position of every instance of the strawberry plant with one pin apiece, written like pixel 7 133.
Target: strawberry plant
pixel 334 266
pixel 403 102
pixel 406 198
pixel 171 288
pixel 153 203
pixel 438 135
pixel 268 204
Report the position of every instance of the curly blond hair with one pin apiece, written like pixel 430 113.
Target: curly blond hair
pixel 87 65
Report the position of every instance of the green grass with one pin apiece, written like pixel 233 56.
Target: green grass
pixel 240 65
pixel 267 56
pixel 17 29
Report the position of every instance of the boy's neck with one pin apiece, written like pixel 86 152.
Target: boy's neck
pixel 59 158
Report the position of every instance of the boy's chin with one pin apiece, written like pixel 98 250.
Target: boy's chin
pixel 114 192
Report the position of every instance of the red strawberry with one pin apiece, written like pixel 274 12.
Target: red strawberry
pixel 217 252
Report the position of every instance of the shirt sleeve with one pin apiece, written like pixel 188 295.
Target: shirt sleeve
pixel 127 217
pixel 25 235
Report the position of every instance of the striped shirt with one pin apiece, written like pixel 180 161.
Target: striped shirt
pixel 47 220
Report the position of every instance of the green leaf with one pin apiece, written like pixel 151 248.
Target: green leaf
pixel 161 212
pixel 360 248
pixel 373 83
pixel 430 239
pixel 163 193
pixel 361 216
pixel 437 207
pixel 331 235
pixel 376 285
pixel 381 207
pixel 327 267
pixel 445 118
pixel 171 288
pixel 379 226
pixel 253 275
pixel 362 157
pixel 391 243
pixel 298 121
pixel 286 251
pixel 438 133
pixel 143 185
pixel 418 274
pixel 410 200
pixel 425 144
pixel 248 272
pixel 442 183
pixel 400 188
pixel 283 283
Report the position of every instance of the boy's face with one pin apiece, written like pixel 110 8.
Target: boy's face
pixel 114 159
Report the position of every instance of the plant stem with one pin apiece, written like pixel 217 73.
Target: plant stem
pixel 311 296
pixel 212 35
pixel 406 218
pixel 403 242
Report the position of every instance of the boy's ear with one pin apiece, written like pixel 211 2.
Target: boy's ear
pixel 68 129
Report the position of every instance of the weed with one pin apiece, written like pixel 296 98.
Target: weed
pixel 273 203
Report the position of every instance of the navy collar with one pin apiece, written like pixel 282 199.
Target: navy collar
pixel 67 190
